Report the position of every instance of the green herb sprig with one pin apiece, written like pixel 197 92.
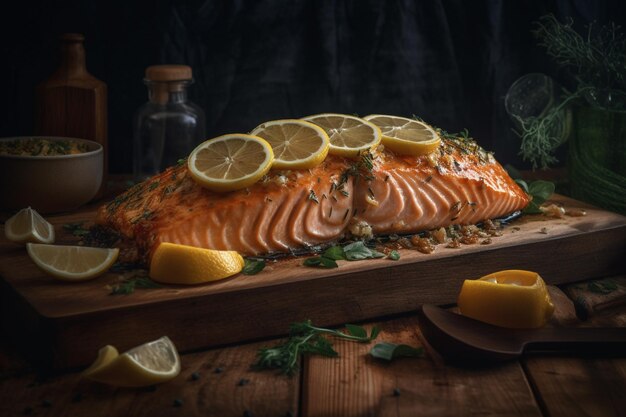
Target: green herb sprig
pixel 76 229
pixel 389 351
pixel 539 191
pixel 355 251
pixel 253 266
pixel 304 338
pixel 128 285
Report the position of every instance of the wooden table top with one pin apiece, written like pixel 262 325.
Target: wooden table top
pixel 355 384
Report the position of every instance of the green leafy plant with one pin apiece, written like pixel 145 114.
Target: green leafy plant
pixel 596 61
pixel 253 266
pixel 304 338
pixel 389 351
pixel 129 285
pixel 351 252
pixel 539 191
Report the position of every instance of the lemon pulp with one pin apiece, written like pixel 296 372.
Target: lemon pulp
pixel 72 263
pixel 406 136
pixel 230 162
pixel 151 363
pixel 296 144
pixel 350 136
pixel 28 226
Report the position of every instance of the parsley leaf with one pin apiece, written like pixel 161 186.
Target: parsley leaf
pixel 253 266
pixel 390 351
pixel 304 338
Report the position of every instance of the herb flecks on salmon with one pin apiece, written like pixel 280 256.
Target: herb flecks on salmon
pixel 458 184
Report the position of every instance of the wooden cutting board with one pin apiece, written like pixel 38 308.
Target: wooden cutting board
pixel 64 324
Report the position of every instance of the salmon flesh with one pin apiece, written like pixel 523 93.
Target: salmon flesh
pixel 379 194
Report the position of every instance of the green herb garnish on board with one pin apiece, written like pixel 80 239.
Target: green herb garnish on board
pixel 351 252
pixel 539 192
pixel 304 338
pixel 76 229
pixel 253 266
pixel 128 285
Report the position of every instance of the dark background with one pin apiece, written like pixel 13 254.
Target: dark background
pixel 448 61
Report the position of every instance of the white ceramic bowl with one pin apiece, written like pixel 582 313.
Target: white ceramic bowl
pixel 50 184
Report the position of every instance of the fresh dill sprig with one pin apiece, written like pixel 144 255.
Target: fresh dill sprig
pixel 304 338
pixel 596 60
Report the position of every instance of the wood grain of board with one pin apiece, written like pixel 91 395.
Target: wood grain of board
pixel 226 387
pixel 571 385
pixel 356 384
pixel 61 316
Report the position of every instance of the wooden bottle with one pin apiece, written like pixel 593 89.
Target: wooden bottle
pixel 72 102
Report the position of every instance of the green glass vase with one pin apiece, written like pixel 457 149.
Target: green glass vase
pixel 597 157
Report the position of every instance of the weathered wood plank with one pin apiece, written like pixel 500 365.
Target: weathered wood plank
pixel 359 385
pixel 226 387
pixel 570 385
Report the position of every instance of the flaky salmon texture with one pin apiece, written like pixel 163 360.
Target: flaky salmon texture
pixel 379 194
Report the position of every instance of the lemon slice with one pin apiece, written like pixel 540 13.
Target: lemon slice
pixel 106 355
pixel 230 162
pixel 296 144
pixel 151 363
pixel 406 136
pixel 72 263
pixel 181 264
pixel 28 226
pixel 512 298
pixel 349 135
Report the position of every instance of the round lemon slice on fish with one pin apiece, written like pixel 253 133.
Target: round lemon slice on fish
pixel 350 136
pixel 230 162
pixel 297 144
pixel 151 363
pixel 72 263
pixel 406 136
pixel 28 226
pixel 512 298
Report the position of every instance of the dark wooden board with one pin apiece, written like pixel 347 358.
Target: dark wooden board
pixel 66 324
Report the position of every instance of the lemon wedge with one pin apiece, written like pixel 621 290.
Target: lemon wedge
pixel 350 136
pixel 296 144
pixel 151 363
pixel 181 264
pixel 230 162
pixel 512 298
pixel 72 263
pixel 406 136
pixel 106 355
pixel 28 226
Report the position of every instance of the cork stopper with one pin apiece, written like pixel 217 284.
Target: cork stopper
pixel 168 73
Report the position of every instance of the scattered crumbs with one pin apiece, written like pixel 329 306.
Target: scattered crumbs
pixel 396 392
pixel 544 230
pixel 27 411
pixel 46 403
pixel 195 376
pixel 219 370
pixel 178 402
pixel 78 397
pixel 243 382
pixel 486 241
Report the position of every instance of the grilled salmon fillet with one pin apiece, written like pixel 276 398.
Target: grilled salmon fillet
pixel 380 194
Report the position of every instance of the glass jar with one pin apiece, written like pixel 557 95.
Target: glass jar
pixel 169 126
